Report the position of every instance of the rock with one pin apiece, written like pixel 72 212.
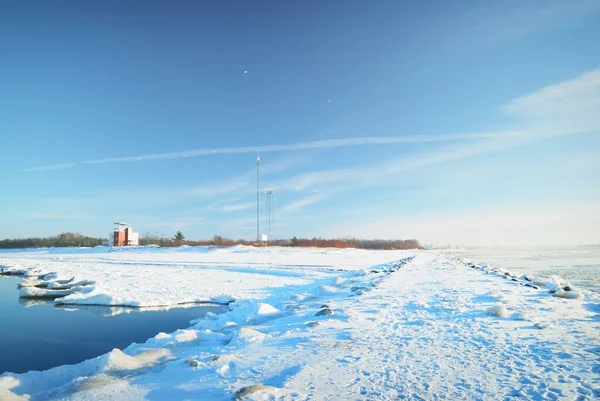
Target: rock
pixel 375 271
pixel 193 363
pixel 312 325
pixel 514 279
pixel 324 312
pixel 215 357
pixel 541 326
pixel 324 306
pixel 244 391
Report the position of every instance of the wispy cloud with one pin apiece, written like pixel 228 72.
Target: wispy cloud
pixel 302 203
pixel 302 146
pixel 60 216
pixel 574 104
pixel 237 207
pixel 46 168
pixel 380 173
pixel 492 22
pixel 172 224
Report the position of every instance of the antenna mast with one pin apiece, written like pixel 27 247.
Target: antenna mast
pixel 269 210
pixel 257 197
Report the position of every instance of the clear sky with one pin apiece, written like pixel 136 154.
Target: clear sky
pixel 455 122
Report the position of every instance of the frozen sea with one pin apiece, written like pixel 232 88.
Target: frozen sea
pixel 578 265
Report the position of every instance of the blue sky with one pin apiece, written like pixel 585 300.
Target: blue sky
pixel 478 122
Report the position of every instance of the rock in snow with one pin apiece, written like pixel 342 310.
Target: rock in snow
pixel 324 312
pixel 245 391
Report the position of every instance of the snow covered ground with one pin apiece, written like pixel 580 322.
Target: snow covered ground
pixel 325 324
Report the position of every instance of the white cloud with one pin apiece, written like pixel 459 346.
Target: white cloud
pixel 575 104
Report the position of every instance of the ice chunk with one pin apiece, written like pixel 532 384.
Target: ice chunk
pixel 34 292
pixel 498 310
pixel 568 295
pixel 266 310
pixel 246 336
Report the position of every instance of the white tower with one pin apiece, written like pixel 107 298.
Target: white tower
pixel 269 212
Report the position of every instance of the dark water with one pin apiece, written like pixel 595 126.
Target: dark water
pixel 39 336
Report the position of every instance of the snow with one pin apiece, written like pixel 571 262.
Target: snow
pixel 498 310
pixel 403 324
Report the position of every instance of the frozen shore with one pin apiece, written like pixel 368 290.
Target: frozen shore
pixel 323 324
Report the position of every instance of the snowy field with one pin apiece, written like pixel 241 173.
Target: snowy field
pixel 321 324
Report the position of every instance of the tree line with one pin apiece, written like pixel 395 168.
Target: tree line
pixel 179 239
pixel 61 240
pixel 78 240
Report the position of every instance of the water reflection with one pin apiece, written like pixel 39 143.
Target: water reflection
pixel 37 335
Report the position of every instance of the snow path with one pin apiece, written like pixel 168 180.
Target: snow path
pixel 422 336
pixel 419 332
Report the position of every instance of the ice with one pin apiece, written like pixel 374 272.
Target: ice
pixel 568 295
pixel 498 310
pixel 404 324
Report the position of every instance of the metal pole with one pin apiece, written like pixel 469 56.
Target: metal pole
pixel 270 212
pixel 257 197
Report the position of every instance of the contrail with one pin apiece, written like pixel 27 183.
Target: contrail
pixel 324 144
pixel 54 167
